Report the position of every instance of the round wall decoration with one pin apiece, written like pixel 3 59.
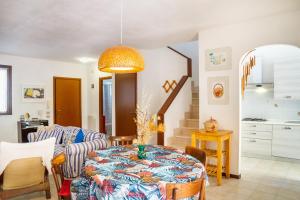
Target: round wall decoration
pixel 218 90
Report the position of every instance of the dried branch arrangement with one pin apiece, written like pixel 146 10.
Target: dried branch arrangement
pixel 146 124
pixel 247 67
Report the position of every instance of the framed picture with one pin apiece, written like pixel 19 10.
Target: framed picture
pixel 33 93
pixel 218 59
pixel 218 90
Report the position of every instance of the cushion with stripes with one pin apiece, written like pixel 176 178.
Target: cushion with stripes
pixel 56 132
pixel 90 135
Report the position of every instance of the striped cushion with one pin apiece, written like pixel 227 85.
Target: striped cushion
pixel 70 133
pixel 90 135
pixel 56 132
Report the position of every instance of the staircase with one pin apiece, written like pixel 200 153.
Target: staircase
pixel 190 123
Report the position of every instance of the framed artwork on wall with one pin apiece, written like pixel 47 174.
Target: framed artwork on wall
pixel 218 59
pixel 33 93
pixel 218 90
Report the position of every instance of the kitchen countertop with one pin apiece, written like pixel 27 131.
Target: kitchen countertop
pixel 273 122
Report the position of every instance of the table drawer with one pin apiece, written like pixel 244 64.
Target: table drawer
pixel 257 134
pixel 256 127
pixel 256 146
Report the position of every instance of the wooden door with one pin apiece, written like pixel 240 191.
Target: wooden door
pixel 125 103
pixel 67 101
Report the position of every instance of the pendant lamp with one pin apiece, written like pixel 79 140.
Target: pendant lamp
pixel 120 58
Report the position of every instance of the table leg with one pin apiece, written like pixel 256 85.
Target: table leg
pixel 193 140
pixel 228 157
pixel 203 144
pixel 219 161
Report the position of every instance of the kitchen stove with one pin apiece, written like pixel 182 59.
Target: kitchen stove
pixel 254 119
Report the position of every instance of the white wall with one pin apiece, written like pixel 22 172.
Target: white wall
pixel 161 65
pixel 263 105
pixel 191 49
pixel 93 75
pixel 37 72
pixel 240 37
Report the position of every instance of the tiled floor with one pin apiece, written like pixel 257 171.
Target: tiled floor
pixel 261 180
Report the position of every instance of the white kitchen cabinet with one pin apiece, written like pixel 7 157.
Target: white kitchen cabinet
pixel 257 139
pixel 256 147
pixel 286 141
pixel 287 80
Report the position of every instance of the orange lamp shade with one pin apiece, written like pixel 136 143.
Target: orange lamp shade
pixel 121 59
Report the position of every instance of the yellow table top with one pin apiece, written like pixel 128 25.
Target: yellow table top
pixel 218 133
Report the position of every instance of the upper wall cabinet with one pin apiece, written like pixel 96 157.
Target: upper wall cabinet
pixel 287 79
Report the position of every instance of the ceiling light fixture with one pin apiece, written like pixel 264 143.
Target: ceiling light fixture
pixel 121 59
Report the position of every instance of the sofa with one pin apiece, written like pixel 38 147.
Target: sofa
pixel 66 143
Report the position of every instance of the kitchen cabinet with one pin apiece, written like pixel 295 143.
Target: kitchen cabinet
pixel 286 141
pixel 287 80
pixel 257 139
pixel 256 147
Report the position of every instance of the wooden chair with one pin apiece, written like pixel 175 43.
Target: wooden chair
pixel 185 190
pixel 201 156
pixel 121 140
pixel 196 153
pixel 24 176
pixel 62 185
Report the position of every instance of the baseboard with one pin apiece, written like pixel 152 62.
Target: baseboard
pixel 233 175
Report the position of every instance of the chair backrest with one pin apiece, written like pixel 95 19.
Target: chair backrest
pixel 22 173
pixel 196 153
pixel 57 171
pixel 121 140
pixel 185 190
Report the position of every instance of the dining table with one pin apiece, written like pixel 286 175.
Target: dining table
pixel 118 173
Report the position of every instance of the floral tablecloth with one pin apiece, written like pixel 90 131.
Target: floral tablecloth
pixel 117 173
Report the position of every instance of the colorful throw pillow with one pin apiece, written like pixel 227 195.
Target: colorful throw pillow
pixel 70 134
pixel 79 137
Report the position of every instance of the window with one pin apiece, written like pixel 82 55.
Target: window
pixel 5 90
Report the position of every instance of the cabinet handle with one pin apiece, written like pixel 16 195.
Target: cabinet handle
pixel 252 141
pixel 253 126
pixel 253 133
pixel 288 97
pixel 287 128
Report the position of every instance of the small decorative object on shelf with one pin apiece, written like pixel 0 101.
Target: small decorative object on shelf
pixel 211 125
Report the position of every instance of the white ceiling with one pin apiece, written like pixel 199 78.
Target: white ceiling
pixel 67 29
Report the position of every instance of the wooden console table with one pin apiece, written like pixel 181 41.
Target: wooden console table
pixel 219 137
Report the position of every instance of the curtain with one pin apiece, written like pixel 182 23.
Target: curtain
pixel 3 89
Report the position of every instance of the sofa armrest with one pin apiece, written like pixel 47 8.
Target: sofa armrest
pixel 32 136
pixel 85 147
pixel 76 154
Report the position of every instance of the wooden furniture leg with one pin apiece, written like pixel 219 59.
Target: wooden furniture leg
pixel 219 161
pixel 194 140
pixel 228 157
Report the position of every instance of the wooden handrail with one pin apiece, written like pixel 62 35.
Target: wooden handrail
pixel 172 96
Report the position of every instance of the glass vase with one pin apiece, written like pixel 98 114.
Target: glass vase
pixel 141 151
